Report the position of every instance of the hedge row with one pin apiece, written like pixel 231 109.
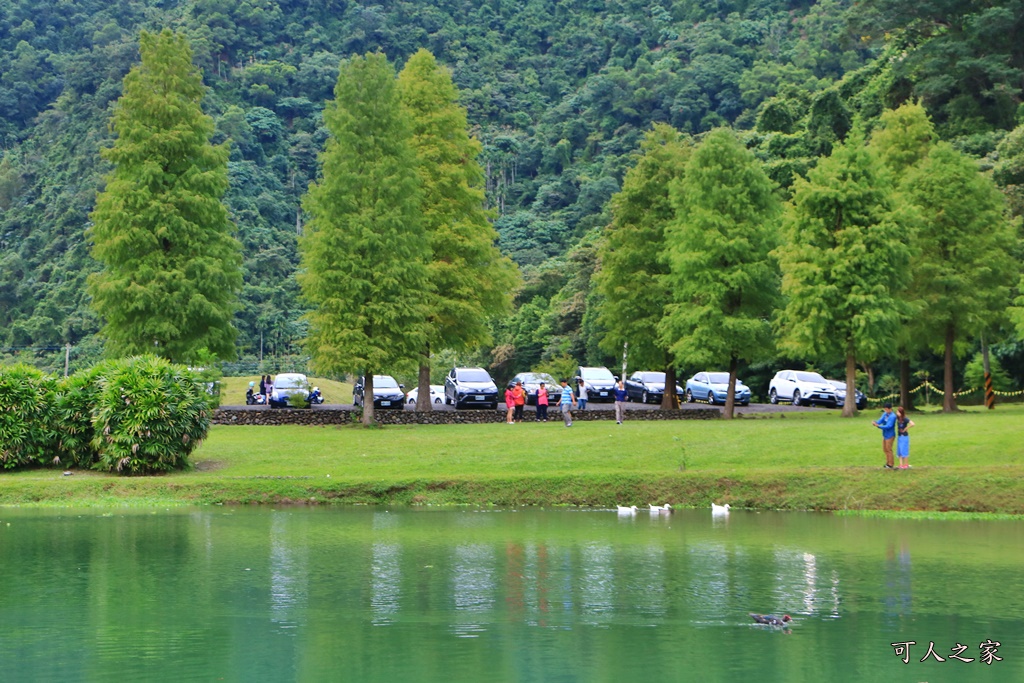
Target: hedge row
pixel 134 416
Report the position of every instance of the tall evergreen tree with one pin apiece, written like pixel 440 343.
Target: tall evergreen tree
pixel 470 281
pixel 964 267
pixel 843 259
pixel 364 253
pixel 172 269
pixel 903 140
pixel 724 282
pixel 633 267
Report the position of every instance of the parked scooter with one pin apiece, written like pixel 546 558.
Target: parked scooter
pixel 315 397
pixel 254 399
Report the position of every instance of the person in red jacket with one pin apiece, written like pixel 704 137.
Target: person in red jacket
pixel 519 398
pixel 510 404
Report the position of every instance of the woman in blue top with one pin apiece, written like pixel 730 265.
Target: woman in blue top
pixel 903 423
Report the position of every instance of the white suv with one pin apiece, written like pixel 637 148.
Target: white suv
pixel 801 388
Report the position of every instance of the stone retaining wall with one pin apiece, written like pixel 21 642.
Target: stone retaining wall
pixel 321 416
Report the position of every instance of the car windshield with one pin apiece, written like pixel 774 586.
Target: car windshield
pixel 290 381
pixel 718 377
pixel 537 378
pixel 474 376
pixel 592 374
pixel 656 377
pixel 809 377
pixel 384 382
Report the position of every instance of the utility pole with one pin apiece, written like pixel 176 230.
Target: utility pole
pixel 67 358
pixel 625 352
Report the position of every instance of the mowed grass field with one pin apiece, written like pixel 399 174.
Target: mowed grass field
pixel 972 461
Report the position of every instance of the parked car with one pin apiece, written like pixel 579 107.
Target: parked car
pixel 600 383
pixel 436 394
pixel 800 387
pixel 465 387
pixel 713 387
pixel 648 387
pixel 387 393
pixel 286 385
pixel 840 388
pixel 531 383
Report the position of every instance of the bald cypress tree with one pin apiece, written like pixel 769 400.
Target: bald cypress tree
pixel 964 268
pixel 724 282
pixel 844 259
pixel 469 280
pixel 171 266
pixel 364 252
pixel 633 265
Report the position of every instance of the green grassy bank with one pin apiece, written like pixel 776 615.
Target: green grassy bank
pixel 970 462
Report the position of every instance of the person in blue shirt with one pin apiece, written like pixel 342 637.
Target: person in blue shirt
pixel 566 403
pixel 620 402
pixel 887 423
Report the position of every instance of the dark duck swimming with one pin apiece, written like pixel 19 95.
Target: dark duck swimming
pixel 770 620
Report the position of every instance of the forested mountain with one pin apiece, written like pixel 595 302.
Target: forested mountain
pixel 560 94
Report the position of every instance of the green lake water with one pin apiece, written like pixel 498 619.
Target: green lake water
pixel 363 594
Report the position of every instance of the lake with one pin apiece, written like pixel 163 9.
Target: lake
pixel 427 594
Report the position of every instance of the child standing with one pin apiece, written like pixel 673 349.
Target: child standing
pixel 903 423
pixel 584 394
pixel 542 403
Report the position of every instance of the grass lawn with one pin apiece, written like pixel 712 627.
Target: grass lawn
pixel 232 389
pixel 973 461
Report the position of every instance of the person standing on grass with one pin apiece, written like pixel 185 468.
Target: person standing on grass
pixel 510 405
pixel 519 398
pixel 566 403
pixel 887 423
pixel 584 394
pixel 903 423
pixel 542 403
pixel 270 388
pixel 620 402
pixel 263 385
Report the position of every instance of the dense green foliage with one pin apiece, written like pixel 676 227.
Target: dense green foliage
pixel 171 269
pixel 559 95
pixel 365 252
pixel 844 261
pixel 28 433
pixel 149 417
pixel 634 268
pixel 139 415
pixel 469 281
pixel 723 280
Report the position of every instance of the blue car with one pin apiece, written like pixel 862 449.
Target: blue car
pixel 713 387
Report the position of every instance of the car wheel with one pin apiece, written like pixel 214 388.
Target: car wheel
pixel 437 401
pixel 689 396
pixel 745 403
pixel 712 399
pixel 796 397
pixel 643 397
pixel 773 398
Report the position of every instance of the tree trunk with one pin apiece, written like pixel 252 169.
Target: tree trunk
pixel 871 377
pixel 669 400
pixel 424 401
pixel 850 404
pixel 948 401
pixel 368 399
pixel 730 397
pixel 906 398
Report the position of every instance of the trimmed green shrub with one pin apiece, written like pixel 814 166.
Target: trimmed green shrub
pixel 76 403
pixel 28 434
pixel 150 415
